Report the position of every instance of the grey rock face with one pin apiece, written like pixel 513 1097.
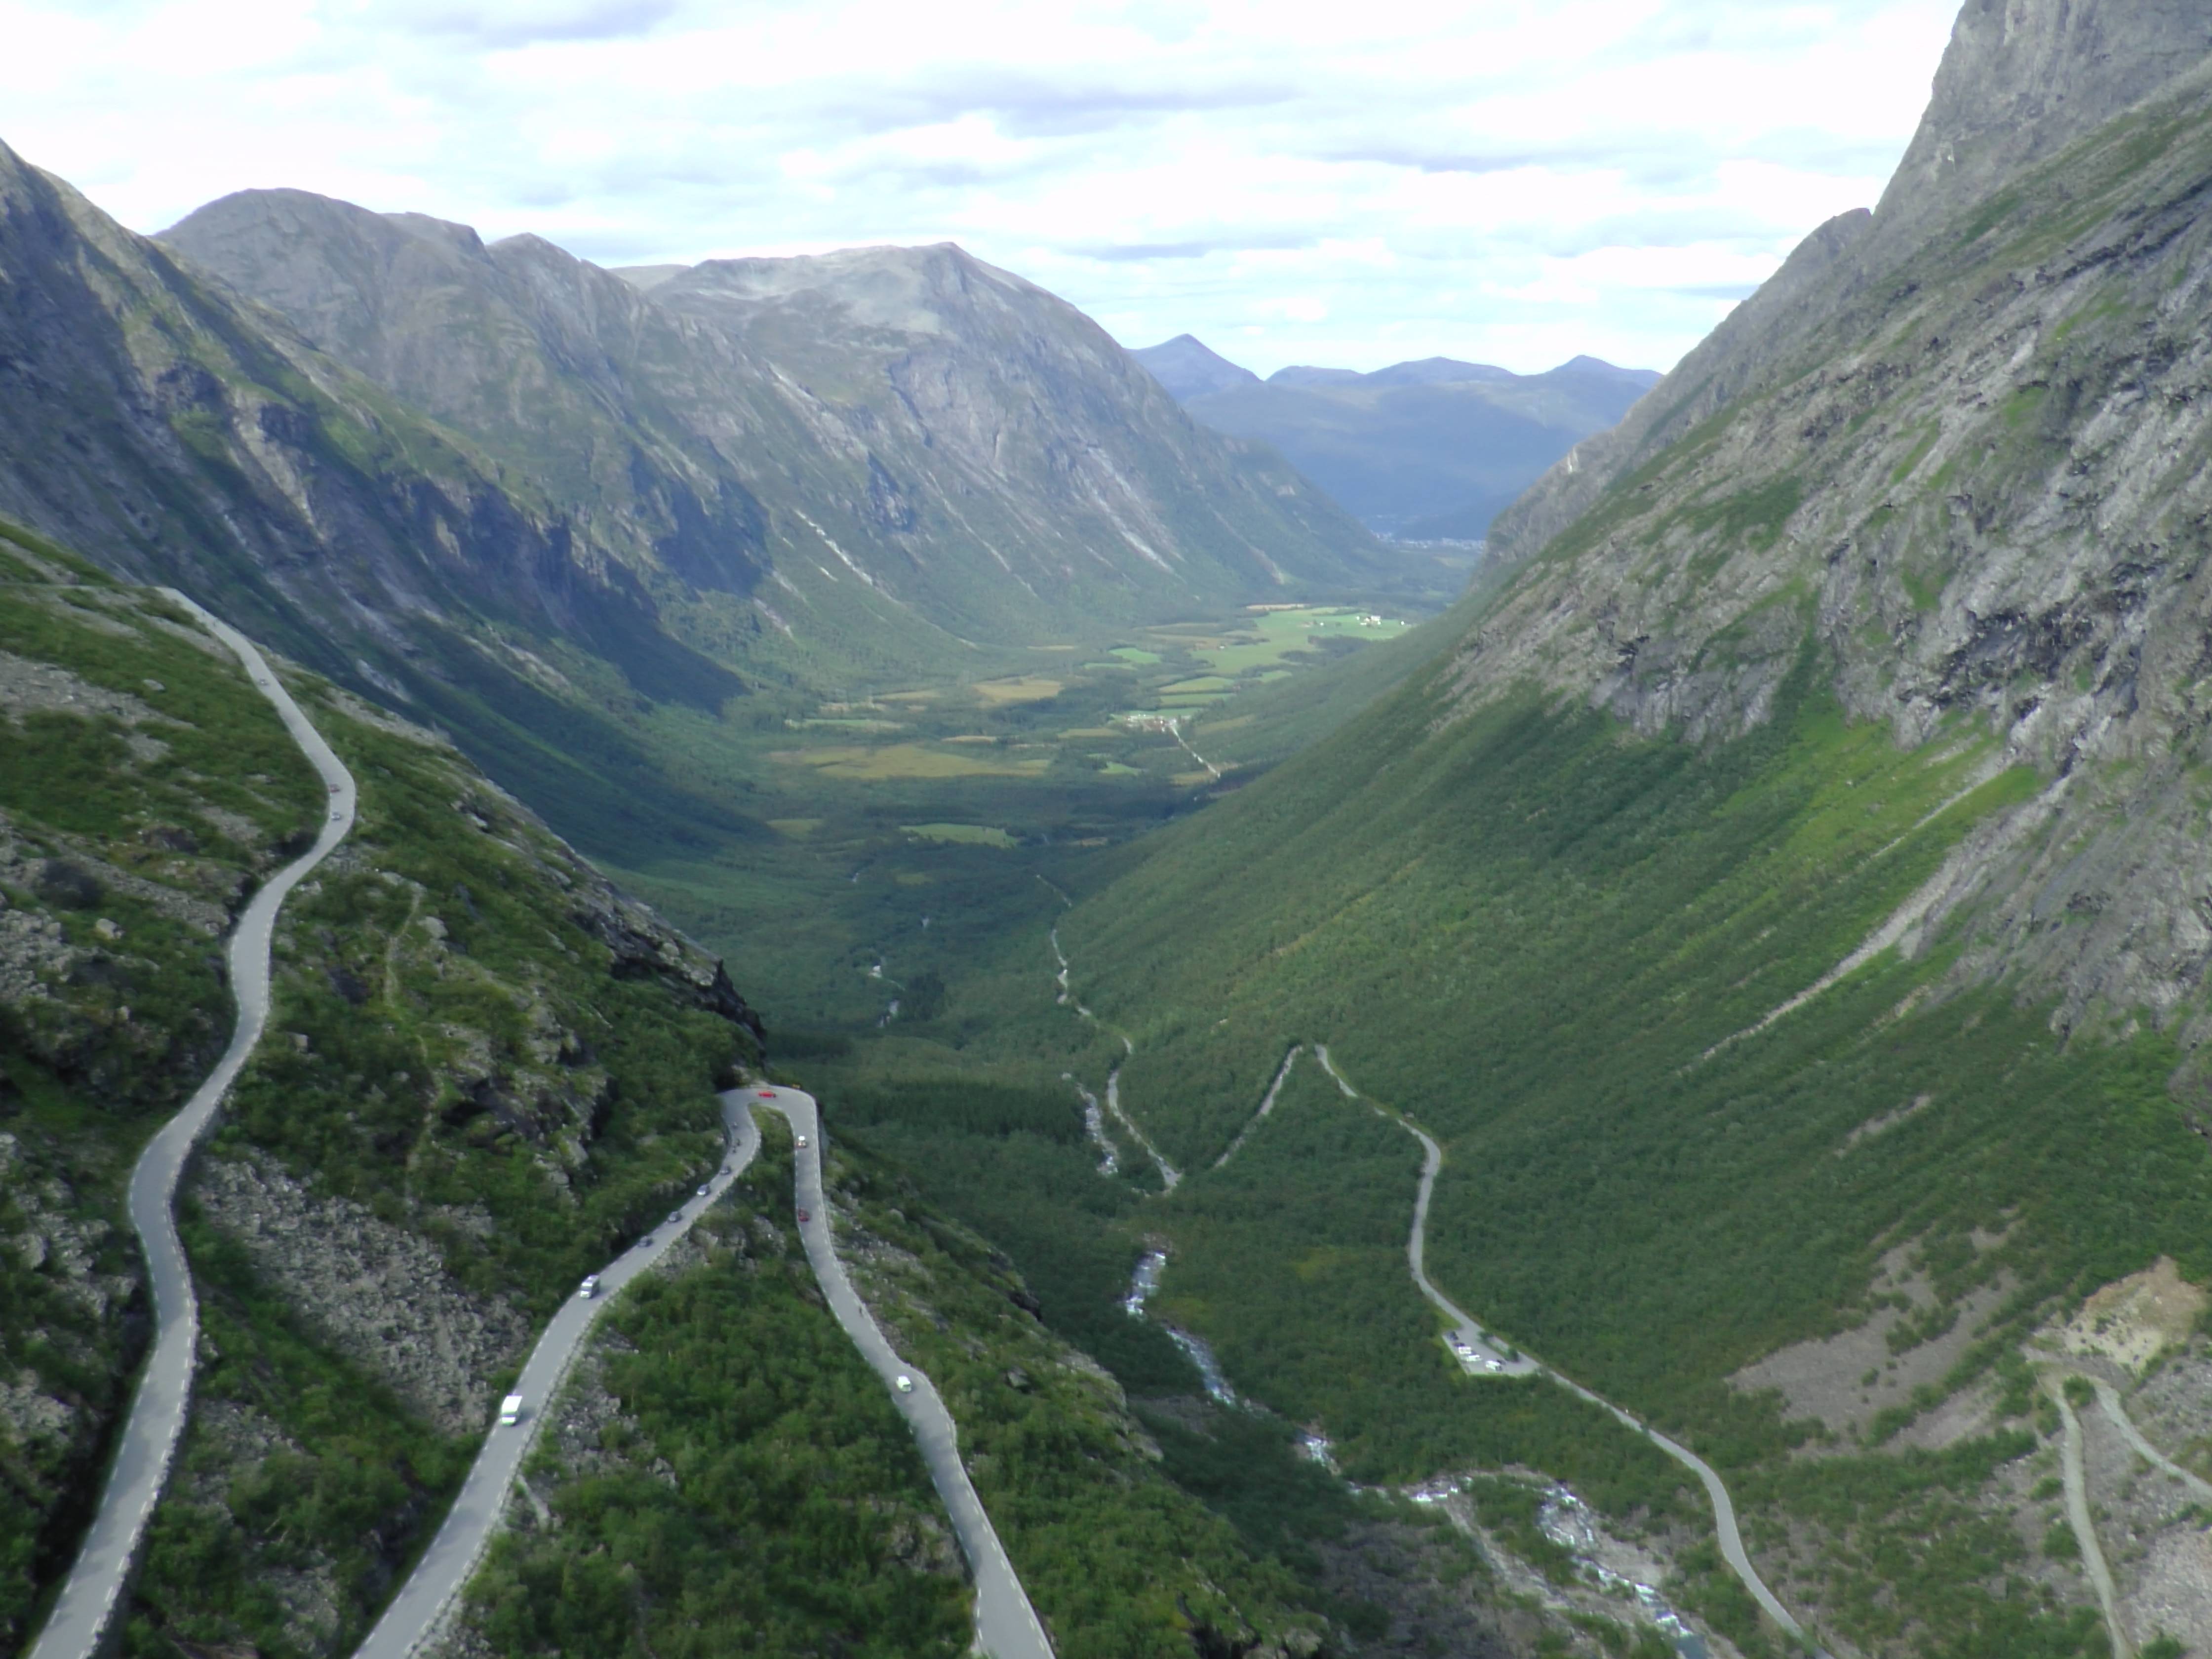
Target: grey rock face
pixel 958 439
pixel 179 433
pixel 1978 473
pixel 2022 79
pixel 518 343
pixel 379 1293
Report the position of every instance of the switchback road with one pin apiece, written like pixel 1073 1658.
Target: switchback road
pixel 1007 1626
pixel 413 1614
pixel 1724 1523
pixel 81 1615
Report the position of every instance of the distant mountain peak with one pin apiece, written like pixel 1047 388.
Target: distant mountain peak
pixel 1312 374
pixel 1585 364
pixel 1436 371
pixel 1189 369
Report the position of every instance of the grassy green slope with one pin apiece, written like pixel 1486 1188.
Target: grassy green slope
pixel 485 1073
pixel 151 810
pixel 1529 932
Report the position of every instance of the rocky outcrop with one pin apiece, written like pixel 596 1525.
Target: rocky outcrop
pixel 2020 80
pixel 900 422
pixel 1963 446
pixel 646 946
pixel 377 1293
pixel 2023 79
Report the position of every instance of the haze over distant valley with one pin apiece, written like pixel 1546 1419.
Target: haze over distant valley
pixel 711 949
pixel 1431 449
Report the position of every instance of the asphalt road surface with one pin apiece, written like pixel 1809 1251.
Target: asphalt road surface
pixel 1724 1523
pixel 2075 1473
pixel 88 1597
pixel 414 1614
pixel 1007 1626
pixel 2109 1398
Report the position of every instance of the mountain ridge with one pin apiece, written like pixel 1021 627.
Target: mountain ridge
pixel 1432 447
pixel 865 374
pixel 1786 903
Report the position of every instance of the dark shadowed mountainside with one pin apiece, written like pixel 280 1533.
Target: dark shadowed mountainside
pixel 871 452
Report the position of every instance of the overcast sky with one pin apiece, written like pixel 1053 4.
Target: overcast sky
pixel 1349 184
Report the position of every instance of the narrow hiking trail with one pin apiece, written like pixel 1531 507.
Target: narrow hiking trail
pixel 80 1621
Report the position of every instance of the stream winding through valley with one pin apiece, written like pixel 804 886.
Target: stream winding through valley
pixel 1478 1350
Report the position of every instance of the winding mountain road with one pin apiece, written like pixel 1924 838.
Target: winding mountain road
pixel 415 1614
pixel 1007 1626
pixel 1716 1492
pixel 2109 1398
pixel 82 1613
pixel 2074 1473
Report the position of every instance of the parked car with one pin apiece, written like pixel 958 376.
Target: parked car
pixel 905 1383
pixel 590 1287
pixel 675 1216
pixel 803 1218
pixel 510 1409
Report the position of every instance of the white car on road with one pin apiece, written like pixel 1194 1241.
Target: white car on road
pixel 590 1287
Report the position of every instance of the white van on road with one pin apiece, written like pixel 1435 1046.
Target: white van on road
pixel 510 1410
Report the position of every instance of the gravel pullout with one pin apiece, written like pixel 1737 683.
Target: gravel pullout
pixel 80 1620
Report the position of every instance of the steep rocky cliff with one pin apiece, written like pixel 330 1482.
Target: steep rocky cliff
pixel 898 442
pixel 170 430
pixel 1962 443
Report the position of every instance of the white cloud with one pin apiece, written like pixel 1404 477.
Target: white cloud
pixel 1516 181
